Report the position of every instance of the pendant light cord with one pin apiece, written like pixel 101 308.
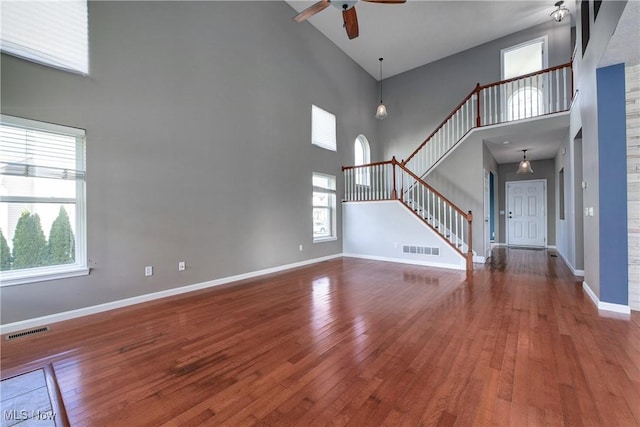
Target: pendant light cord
pixel 380 80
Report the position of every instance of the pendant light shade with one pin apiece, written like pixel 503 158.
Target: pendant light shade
pixel 561 11
pixel 525 166
pixel 381 112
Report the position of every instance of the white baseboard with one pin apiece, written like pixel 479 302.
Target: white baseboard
pixel 606 306
pixel 86 311
pixel 579 273
pixel 479 259
pixel 461 266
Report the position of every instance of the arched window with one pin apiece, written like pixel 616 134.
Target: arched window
pixel 525 102
pixel 362 156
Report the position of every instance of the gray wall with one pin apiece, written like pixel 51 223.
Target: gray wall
pixel 198 143
pixel 542 169
pixel 569 231
pixel 460 179
pixel 490 164
pixel 584 115
pixel 420 99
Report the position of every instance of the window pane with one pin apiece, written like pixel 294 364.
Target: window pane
pixel 320 199
pixel 321 222
pixel 21 186
pixel 359 153
pixel 38 234
pixel 523 60
pixel 48 32
pixel 323 128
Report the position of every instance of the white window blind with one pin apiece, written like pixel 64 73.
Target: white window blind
pixel 57 152
pixel 323 128
pixel 53 33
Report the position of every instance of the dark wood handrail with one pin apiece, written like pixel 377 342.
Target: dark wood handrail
pixel 433 190
pixel 386 162
pixel 477 90
pixel 526 76
pixel 444 122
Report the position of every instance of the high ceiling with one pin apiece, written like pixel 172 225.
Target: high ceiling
pixel 421 31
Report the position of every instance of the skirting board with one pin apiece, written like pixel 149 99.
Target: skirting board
pixel 86 311
pixel 579 273
pixel 606 306
pixel 462 266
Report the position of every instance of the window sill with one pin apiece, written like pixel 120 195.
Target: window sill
pixel 325 239
pixel 11 279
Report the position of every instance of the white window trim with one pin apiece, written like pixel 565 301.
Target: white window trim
pixel 80 266
pixel 334 208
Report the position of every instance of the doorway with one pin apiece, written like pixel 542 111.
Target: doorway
pixel 527 213
pixel 489 212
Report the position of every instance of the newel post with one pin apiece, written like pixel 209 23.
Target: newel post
pixel 470 246
pixel 478 105
pixel 394 193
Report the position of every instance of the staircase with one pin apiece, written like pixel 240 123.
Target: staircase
pixel 537 94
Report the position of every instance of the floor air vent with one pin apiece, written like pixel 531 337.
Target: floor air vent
pixel 27 333
pixel 420 250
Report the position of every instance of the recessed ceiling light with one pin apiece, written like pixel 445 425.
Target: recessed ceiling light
pixel 506 142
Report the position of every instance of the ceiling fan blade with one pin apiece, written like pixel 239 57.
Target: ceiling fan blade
pixel 311 10
pixel 386 1
pixel 350 22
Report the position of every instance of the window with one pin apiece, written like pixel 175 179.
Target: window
pixel 524 102
pixel 324 207
pixel 523 98
pixel 323 128
pixel 584 24
pixel 596 8
pixel 53 33
pixel 42 194
pixel 362 156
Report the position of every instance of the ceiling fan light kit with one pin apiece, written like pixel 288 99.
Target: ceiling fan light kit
pixel 349 16
pixel 524 167
pixel 560 12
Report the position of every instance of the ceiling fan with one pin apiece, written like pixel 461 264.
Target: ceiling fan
pixel 348 12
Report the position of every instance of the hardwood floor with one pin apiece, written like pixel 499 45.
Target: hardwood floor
pixel 353 342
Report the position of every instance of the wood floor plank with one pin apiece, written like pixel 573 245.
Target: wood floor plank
pixel 353 342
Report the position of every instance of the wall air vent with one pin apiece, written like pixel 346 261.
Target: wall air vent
pixel 421 250
pixel 26 333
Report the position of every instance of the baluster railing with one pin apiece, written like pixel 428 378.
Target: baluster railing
pixel 370 182
pixel 435 210
pixel 544 92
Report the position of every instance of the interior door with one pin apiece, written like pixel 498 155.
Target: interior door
pixel 487 214
pixel 527 213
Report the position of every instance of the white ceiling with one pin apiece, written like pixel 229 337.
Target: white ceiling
pixel 422 31
pixel 541 141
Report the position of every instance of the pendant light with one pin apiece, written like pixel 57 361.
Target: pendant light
pixel 561 11
pixel 525 166
pixel 381 112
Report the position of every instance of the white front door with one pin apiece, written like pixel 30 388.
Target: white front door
pixel 527 213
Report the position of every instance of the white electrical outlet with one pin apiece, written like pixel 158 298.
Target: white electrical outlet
pixel 181 266
pixel 148 271
pixel 300 248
